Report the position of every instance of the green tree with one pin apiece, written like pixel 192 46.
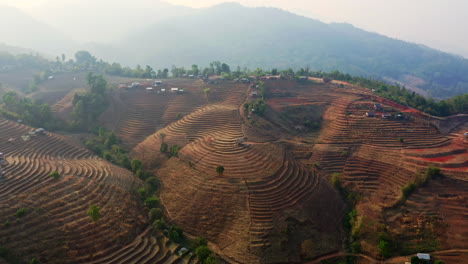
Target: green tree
pixel 152 202
pixel 55 175
pixel 155 214
pixel 211 259
pixel 85 58
pixel 163 147
pixel 152 183
pixel 94 212
pixel 415 260
pixel 203 252
pixel 384 248
pixel 136 165
pixel 220 170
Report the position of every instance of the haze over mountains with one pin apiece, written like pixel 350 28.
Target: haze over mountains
pixel 252 37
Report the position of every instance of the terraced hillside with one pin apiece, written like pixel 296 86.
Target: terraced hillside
pixel 46 218
pixel 275 178
pixel 262 193
pixel 273 203
pixel 137 113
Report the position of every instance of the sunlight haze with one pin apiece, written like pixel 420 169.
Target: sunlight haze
pixel 439 24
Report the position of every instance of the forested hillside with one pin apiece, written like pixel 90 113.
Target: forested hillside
pixel 269 37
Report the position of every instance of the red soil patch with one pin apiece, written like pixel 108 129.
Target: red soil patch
pixel 440 159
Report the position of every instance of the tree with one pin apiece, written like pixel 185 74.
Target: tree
pixel 152 184
pixel 220 170
pixel 336 180
pixel 162 136
pixel 415 260
pixel 55 175
pixel 136 164
pixel 212 259
pixel 152 202
pixel 384 248
pixel 85 58
pixel 94 212
pixel 207 92
pixel 155 214
pixel 203 252
pixel 163 147
pixel 174 151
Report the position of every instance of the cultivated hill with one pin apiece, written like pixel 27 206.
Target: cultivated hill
pixel 46 218
pixel 274 202
pixel 269 37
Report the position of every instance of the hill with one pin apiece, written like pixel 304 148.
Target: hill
pixel 307 175
pixel 269 37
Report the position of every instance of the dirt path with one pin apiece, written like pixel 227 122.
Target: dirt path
pixel 399 259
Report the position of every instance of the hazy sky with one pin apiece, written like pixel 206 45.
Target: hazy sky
pixel 441 24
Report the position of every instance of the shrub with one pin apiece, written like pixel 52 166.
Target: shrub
pixel 174 151
pixel 336 180
pixel 439 262
pixel 220 170
pixel 159 224
pixel 107 156
pixel 384 248
pixel 407 190
pixel 402 140
pixel 94 212
pixel 356 247
pixel 21 212
pixel 203 253
pixel 163 147
pixel 212 259
pixel 415 260
pixel 142 174
pixel 199 241
pixel 176 234
pixel 155 214
pixel 152 183
pixel 142 193
pixel 152 202
pixel 55 175
pixel 135 165
pixel 433 172
pixel 35 261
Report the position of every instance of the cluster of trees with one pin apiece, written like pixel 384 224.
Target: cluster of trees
pixel 88 107
pixel 32 113
pixel 420 180
pixel 106 145
pixel 10 62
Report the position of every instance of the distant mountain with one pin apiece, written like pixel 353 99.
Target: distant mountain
pixel 269 37
pixel 100 22
pixel 19 29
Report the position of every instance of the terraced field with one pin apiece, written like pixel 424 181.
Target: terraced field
pixel 55 227
pixel 272 204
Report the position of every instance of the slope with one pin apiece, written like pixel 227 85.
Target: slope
pixel 45 217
